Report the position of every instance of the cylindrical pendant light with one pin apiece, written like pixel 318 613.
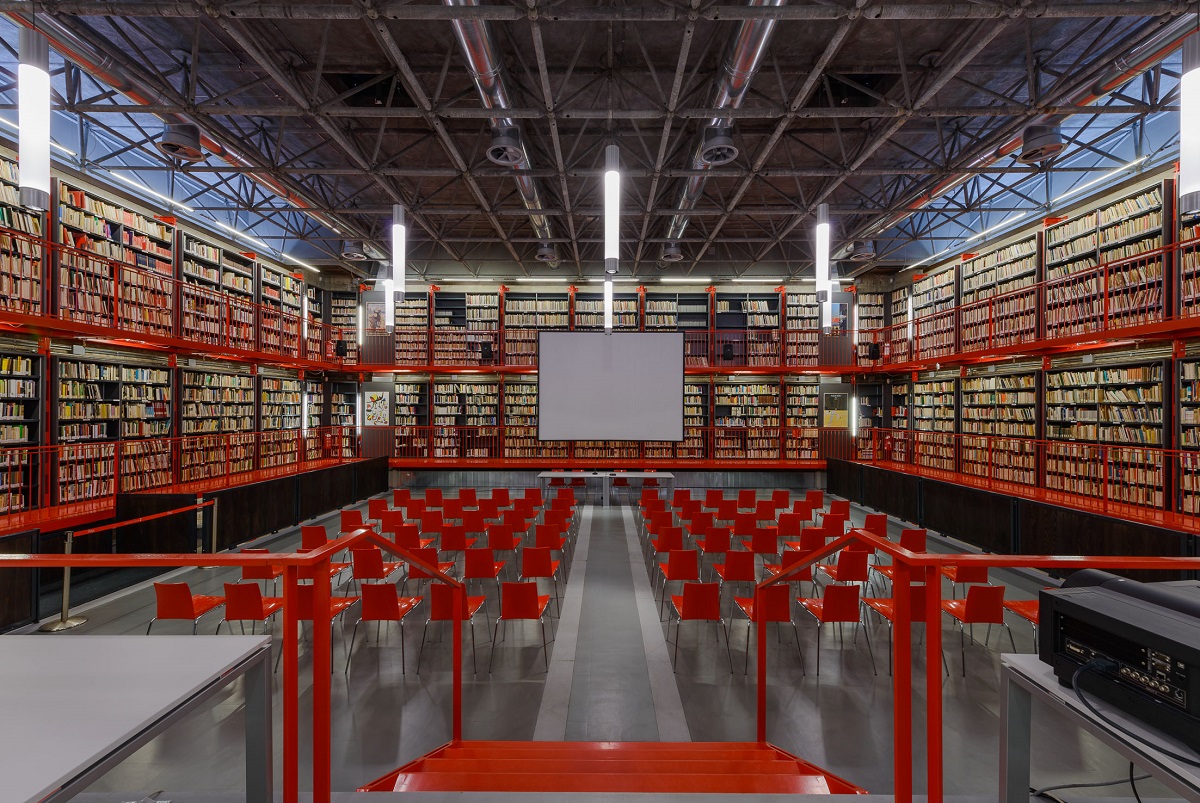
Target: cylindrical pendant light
pixel 33 101
pixel 1189 127
pixel 394 286
pixel 612 208
pixel 821 256
pixel 608 306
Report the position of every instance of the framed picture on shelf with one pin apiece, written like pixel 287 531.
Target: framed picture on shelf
pixel 375 314
pixel 377 404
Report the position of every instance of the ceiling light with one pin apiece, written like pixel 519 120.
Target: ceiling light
pixel 1189 127
pixel 143 188
pixel 612 208
pixel 608 307
pixel 1095 181
pixel 687 279
pixel 53 144
pixel 757 279
pixel 998 226
pixel 304 265
pixel 243 235
pixel 393 288
pixel 821 255
pixel 33 137
pixel 618 279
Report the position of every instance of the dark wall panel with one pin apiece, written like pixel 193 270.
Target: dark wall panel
pixel 976 517
pixel 1050 530
pixel 175 533
pixel 18 600
pixel 328 489
pixel 892 492
pixel 371 477
pixel 248 511
pixel 844 478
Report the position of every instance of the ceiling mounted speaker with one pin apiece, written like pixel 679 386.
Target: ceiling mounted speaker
pixel 546 253
pixel 506 148
pixel 672 253
pixel 181 141
pixel 1039 143
pixel 353 250
pixel 718 148
pixel 861 251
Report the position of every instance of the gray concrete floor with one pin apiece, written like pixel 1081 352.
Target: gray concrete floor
pixel 614 689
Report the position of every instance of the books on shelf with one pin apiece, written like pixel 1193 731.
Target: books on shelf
pixel 464 416
pixel 411 416
pixel 747 419
pixel 1004 408
pixel 801 419
pixel 803 326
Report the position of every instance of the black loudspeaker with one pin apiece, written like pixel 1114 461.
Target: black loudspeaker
pixel 822 296
pixel 485 350
pixel 872 351
pixel 727 351
pixel 341 348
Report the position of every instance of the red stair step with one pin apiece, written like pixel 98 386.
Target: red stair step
pixel 606 782
pixel 709 766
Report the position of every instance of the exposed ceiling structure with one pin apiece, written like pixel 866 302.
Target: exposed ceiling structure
pixel 488 122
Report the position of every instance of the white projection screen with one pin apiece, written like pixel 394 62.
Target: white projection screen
pixel 627 386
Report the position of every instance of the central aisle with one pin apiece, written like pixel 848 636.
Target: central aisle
pixel 610 678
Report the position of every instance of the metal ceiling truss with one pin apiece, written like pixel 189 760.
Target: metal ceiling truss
pixel 323 115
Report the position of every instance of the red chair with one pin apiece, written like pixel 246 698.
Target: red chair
pixel 838 605
pixel 441 609
pixel 811 539
pixel 762 542
pixel 468 497
pixel 838 507
pixel 851 567
pixel 876 524
pixel 454 539
pixel 432 522
pixel 579 484
pixel 500 497
pixel 886 608
pixel 699 602
pixel 565 496
pixel 305 612
pixel 310 572
pixel 452 509
pixel 834 524
pixel 744 525
pixel 984 605
pixel 665 540
pixel 501 538
pixel 777 608
pixel 713 498
pixel 804 509
pixel 367 563
pixel 414 509
pixel 351 520
pixel 738 567
pixel 689 509
pixel 376 509
pixel 726 510
pixel 787 561
pixel 765 511
pixel 489 508
pixel 517 520
pixel 558 482
pixel 382 603
pixel 408 536
pixel 746 499
pixel 481 564
pixel 650 482
pixel 700 524
pixel 313 536
pixel 815 498
pixel 433 497
pixel 790 525
pixel 429 556
pixel 475 521
pixel 715 542
pixel 914 540
pixel 244 602
pixel 781 499
pixel 681 566
pixel 267 572
pixel 534 496
pixel 390 521
pixel 1027 609
pixel 679 497
pixel 521 601
pixel 176 601
pixel 963 575
pixel 536 563
pixel 400 497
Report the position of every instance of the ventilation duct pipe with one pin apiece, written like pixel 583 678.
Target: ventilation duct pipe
pixel 507 148
pixel 742 58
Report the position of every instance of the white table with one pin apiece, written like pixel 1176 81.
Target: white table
pixel 75 706
pixel 1025 678
pixel 606 477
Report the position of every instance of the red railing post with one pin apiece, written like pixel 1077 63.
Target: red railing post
pixel 933 683
pixel 456 731
pixel 291 687
pixel 902 694
pixel 761 667
pixel 322 658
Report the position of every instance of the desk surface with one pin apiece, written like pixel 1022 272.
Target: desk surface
pixel 633 475
pixel 1031 673
pixel 69 701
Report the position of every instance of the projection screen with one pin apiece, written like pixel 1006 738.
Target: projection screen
pixel 627 386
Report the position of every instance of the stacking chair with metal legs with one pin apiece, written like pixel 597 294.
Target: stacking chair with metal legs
pixel 176 601
pixel 382 603
pixel 521 602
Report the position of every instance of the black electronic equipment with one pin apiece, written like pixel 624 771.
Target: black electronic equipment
pixel 341 348
pixel 1144 639
pixel 485 351
pixel 872 351
pixel 727 352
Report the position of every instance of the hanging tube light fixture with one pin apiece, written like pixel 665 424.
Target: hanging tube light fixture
pixel 824 285
pixel 612 227
pixel 33 102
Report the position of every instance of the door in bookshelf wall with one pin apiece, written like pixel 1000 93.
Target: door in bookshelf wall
pixel 802 328
pixel 527 313
pixel 465 418
pixel 589 312
pixel 747 329
pixel 933 301
pixel 801 403
pixel 999 426
pixel 218 424
pixel 20 426
pixel 1092 413
pixel 411 415
pixel 999 296
pixel 412 329
pixel 280 413
pixel 746 420
pixel 21 252
pixel 934 410
pixel 316 418
pixel 1105 266
pixel 117 267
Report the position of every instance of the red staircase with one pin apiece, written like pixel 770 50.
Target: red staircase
pixel 656 767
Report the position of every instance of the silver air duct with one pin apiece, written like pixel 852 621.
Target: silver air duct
pixel 741 61
pixel 483 62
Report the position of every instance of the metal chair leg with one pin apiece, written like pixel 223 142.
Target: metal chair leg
pixel 152 621
pixel 402 661
pixel 818 649
pixel 492 657
pixel 545 649
pixel 1011 640
pixel 350 650
pixel 870 650
pixel 962 647
pixel 796 630
pixel 728 650
pixel 421 650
